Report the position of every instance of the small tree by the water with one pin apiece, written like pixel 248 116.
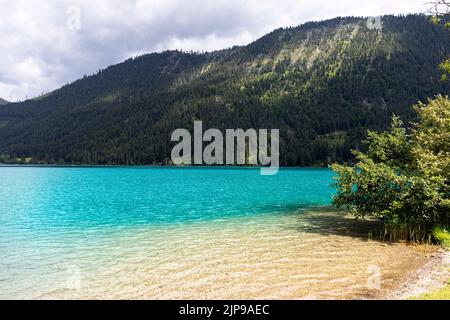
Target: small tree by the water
pixel 404 177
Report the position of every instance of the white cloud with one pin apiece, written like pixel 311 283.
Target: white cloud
pixel 43 47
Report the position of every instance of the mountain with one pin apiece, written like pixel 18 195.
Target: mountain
pixel 2 102
pixel 321 83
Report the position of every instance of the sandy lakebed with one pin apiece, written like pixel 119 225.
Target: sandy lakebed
pixel 319 254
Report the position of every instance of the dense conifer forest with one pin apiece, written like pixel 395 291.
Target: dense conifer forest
pixel 323 84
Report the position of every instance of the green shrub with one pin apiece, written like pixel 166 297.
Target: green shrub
pixel 442 236
pixel 404 177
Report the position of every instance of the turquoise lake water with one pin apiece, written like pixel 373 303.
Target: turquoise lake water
pixel 46 198
pixel 53 216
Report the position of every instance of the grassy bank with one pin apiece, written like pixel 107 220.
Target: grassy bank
pixel 442 294
pixel 442 236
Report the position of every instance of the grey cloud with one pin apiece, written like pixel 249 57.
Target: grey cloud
pixel 39 52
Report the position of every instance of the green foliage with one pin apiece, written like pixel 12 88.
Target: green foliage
pixel 126 113
pixel 445 68
pixel 435 19
pixel 442 19
pixel 404 178
pixel 442 236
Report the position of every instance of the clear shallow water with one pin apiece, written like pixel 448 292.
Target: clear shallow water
pixel 171 233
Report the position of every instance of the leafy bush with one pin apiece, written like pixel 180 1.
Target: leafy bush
pixel 442 236
pixel 404 177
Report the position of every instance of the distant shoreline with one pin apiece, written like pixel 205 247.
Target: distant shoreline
pixel 145 166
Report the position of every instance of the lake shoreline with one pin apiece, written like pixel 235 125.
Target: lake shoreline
pixel 150 166
pixel 432 276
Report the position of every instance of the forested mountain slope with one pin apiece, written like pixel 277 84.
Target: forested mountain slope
pixel 322 84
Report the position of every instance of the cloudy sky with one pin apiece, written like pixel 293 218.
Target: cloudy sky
pixel 46 44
